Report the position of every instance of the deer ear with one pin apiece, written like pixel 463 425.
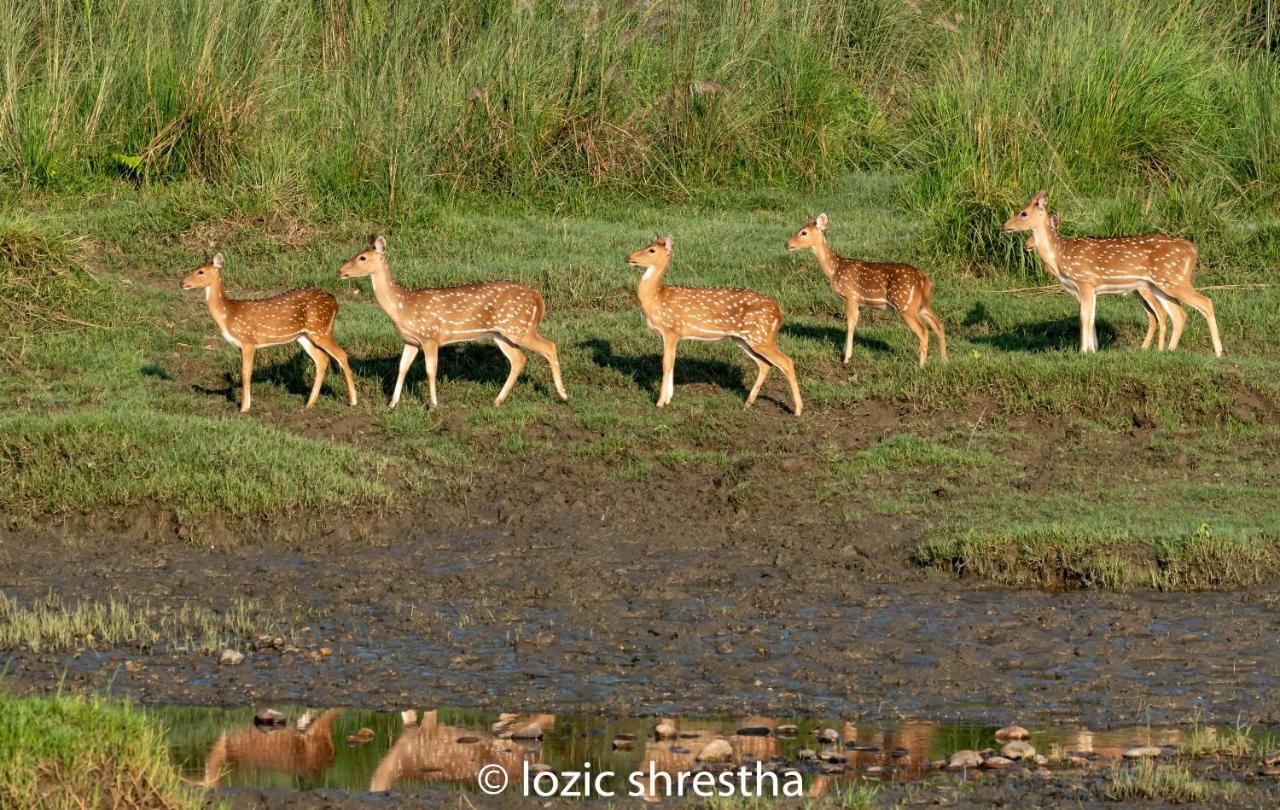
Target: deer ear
pixel 1053 221
pixel 821 222
pixel 217 261
pixel 1042 200
pixel 380 245
pixel 669 242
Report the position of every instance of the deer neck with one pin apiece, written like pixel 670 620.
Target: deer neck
pixel 827 258
pixel 1048 246
pixel 650 288
pixel 219 305
pixel 387 293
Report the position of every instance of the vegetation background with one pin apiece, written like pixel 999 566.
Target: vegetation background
pixel 540 140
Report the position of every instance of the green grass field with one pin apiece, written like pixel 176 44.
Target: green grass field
pixel 541 147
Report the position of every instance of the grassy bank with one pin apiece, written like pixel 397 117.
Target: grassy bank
pixel 65 752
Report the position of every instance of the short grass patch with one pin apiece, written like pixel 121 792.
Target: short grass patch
pixel 75 752
pixel 1154 781
pixel 1060 557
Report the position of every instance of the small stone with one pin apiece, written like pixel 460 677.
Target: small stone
pixel 873 770
pixel 665 730
pixel 1077 761
pixel 540 767
pixel 898 753
pixel 325 652
pixel 716 751
pixel 1273 758
pixel 361 737
pixel 409 717
pixel 806 755
pixel 787 730
pixel 834 768
pixel 467 739
pixel 1270 770
pixel 231 657
pixel 964 759
pixel 529 731
pixel 1018 750
pixel 996 762
pixel 623 744
pixel 828 736
pixel 133 666
pixel 754 731
pixel 269 717
pixel 304 722
pixel 1040 759
pixel 832 757
pixel 1143 751
pixel 1013 733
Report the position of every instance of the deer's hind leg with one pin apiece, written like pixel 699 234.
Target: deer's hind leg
pixel 1155 318
pixel 774 356
pixel 1187 294
pixel 326 342
pixel 534 341
pixel 322 365
pixel 517 360
pixel 762 371
pixel 912 320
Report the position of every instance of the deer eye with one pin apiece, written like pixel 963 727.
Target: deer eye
pixel 362 258
pixel 1023 214
pixel 200 272
pixel 651 250
pixel 804 233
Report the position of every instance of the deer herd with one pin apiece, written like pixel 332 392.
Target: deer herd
pixel 1156 267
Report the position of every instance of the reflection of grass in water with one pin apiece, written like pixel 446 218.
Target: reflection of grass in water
pixel 1153 781
pixel 60 751
pixel 1239 741
pixel 56 625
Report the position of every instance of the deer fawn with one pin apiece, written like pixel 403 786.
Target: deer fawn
pixel 304 315
pixel 1156 264
pixel 879 285
pixel 1155 310
pixel 747 318
pixel 504 311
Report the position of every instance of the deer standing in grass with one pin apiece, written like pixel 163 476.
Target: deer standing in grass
pixel 879 285
pixel 1156 318
pixel 304 315
pixel 1158 265
pixel 748 318
pixel 505 312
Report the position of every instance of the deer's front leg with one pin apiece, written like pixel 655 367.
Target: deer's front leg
pixel 851 323
pixel 1088 303
pixel 406 359
pixel 669 342
pixel 246 376
pixel 430 358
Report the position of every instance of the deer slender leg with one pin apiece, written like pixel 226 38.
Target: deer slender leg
pixel 912 321
pixel 1155 315
pixel 516 358
pixel 774 356
pixel 1088 299
pixel 246 376
pixel 669 343
pixel 936 326
pixel 431 359
pixel 762 369
pixel 322 365
pixel 1201 303
pixel 851 323
pixel 536 342
pixel 331 346
pixel 406 359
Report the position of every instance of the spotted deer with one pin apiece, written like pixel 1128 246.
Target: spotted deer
pixel 1092 266
pixel 878 285
pixel 505 312
pixel 748 318
pixel 1156 318
pixel 304 315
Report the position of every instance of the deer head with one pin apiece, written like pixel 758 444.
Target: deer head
pixel 810 236
pixel 206 275
pixel 366 262
pixel 657 254
pixel 1033 216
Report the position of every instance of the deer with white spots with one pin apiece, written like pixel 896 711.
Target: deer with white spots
pixel 1156 318
pixel 748 318
pixel 305 315
pixel 1088 267
pixel 505 312
pixel 878 285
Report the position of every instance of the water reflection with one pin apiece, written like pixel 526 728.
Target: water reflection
pixel 224 748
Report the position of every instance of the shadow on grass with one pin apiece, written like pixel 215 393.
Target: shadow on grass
pixel 1044 336
pixel 835 336
pixel 646 369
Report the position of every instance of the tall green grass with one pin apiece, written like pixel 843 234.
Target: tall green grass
pixel 1140 114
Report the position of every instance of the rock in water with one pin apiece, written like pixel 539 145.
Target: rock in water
pixel 529 731
pixel 1018 750
pixel 996 762
pixel 1143 751
pixel 964 759
pixel 828 736
pixel 1013 733
pixel 231 657
pixel 269 717
pixel 665 730
pixel 716 751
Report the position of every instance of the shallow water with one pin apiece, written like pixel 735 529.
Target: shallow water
pixel 225 748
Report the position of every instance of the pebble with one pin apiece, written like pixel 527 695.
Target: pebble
pixel 1270 770
pixel 409 717
pixel 873 770
pixel 1143 751
pixel 787 730
pixel 828 736
pixel 716 751
pixel 1079 762
pixel 361 737
pixel 231 657
pixel 1013 733
pixel 665 730
pixel 754 731
pixel 623 744
pixel 996 762
pixel 529 731
pixel 806 755
pixel 964 759
pixel 1273 758
pixel 1018 750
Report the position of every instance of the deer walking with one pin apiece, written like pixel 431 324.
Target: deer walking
pixel 304 315
pixel 1156 318
pixel 748 318
pixel 505 312
pixel 879 285
pixel 1156 264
